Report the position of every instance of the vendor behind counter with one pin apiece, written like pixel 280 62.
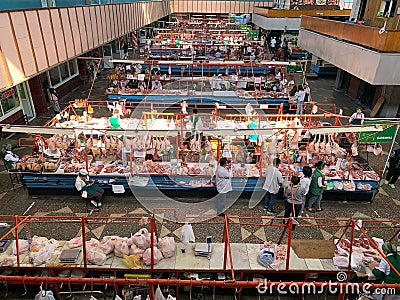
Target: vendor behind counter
pixel 9 157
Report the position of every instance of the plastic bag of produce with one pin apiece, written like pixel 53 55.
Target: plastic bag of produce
pixel 147 256
pixel 142 239
pixel 341 261
pixel 96 256
pixel 40 257
pixel 9 261
pixel 167 246
pixel 266 257
pixel 52 244
pixel 121 248
pixel 349 185
pixel 38 242
pixel 112 238
pixel 23 246
pixel 136 250
pixel 338 185
pixel 330 186
pixel 106 246
pixel 93 243
pixel 75 242
pixel 132 261
pixel 158 295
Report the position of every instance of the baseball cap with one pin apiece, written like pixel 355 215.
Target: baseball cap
pixel 83 172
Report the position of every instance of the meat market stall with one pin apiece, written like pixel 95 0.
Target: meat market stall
pixel 164 151
pixel 200 83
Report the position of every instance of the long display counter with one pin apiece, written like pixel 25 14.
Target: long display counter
pixel 196 100
pixel 65 183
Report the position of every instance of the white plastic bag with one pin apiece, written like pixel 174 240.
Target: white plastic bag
pixel 23 246
pixel 341 261
pixel 147 256
pixel 44 295
pixel 93 243
pixel 167 246
pixel 40 257
pixel 187 234
pixel 96 256
pixel 8 261
pixel 135 250
pixel 38 242
pixel 158 295
pixel 121 248
pixel 142 239
pixel 106 246
pixel 75 242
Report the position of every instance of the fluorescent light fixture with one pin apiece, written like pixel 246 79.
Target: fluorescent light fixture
pixel 332 129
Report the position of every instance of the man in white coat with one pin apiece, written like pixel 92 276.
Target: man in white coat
pixel 273 181
pixel 223 182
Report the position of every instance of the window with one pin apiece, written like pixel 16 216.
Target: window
pixel 9 100
pixel 62 73
pixel 73 67
pixel 388 8
pixel 347 4
pixel 54 76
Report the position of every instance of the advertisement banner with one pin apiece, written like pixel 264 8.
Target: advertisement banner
pixel 386 136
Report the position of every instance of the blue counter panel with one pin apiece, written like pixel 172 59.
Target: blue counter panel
pixel 211 70
pixel 176 99
pixel 163 182
pixel 321 70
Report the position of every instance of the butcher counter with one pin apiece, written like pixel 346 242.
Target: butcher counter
pixel 42 183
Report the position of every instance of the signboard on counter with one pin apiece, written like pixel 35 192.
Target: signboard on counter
pixel 387 135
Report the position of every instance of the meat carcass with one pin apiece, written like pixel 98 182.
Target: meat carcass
pixel 208 146
pixel 328 145
pixel 280 146
pixel 322 145
pixel 294 144
pixel 271 149
pixel 354 149
pixel 310 146
pixel 316 145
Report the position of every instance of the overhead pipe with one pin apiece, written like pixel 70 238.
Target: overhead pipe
pixel 33 280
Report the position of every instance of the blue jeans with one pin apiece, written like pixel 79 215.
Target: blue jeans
pixel 269 201
pixel 313 199
pixel 300 107
pixel 221 203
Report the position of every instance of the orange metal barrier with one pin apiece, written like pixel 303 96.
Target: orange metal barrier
pixel 346 224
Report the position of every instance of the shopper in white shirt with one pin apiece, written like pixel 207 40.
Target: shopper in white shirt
pixel 273 181
pixel 305 183
pixel 357 118
pixel 273 44
pixel 223 183
pixel 301 93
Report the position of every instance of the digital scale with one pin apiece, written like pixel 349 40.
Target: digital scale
pixel 204 249
pixel 4 245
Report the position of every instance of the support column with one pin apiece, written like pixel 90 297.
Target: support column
pixel 391 104
pixel 339 80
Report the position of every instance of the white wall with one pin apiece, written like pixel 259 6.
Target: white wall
pixel 276 23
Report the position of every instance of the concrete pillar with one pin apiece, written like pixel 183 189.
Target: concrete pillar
pixel 391 104
pixel 339 80
pixel 355 9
